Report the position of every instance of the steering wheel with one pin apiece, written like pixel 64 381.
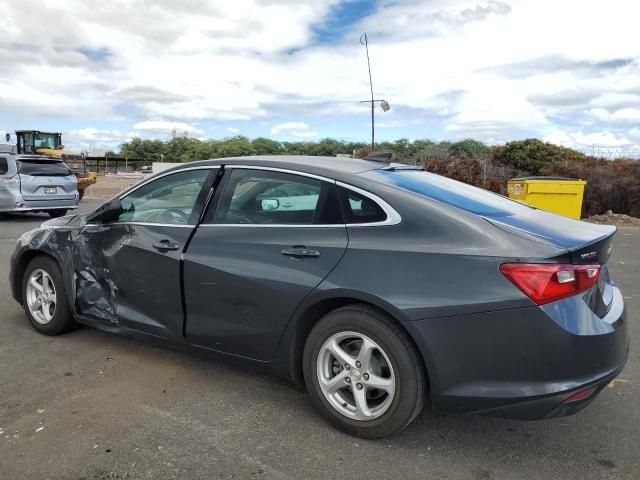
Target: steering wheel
pixel 173 216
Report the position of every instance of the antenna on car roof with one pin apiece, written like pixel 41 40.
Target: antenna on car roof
pixel 382 157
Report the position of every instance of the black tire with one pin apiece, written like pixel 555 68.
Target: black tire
pixel 410 375
pixel 57 213
pixel 62 320
pixel 80 194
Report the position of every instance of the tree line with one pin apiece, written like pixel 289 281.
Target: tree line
pixel 611 184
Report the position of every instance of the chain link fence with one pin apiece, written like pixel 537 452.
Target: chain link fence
pixel 612 153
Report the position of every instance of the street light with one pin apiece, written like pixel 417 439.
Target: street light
pixel 383 103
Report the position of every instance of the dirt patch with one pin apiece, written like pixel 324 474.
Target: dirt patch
pixel 617 219
pixel 109 185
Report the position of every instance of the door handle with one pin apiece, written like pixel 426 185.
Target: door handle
pixel 166 245
pixel 300 251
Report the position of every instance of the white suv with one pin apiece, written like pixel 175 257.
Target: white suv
pixel 35 183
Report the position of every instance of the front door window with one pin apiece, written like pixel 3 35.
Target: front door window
pixel 168 200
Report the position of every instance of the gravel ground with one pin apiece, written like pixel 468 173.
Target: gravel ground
pixel 108 185
pixel 89 405
pixel 617 219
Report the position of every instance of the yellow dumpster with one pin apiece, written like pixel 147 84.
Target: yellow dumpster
pixel 555 194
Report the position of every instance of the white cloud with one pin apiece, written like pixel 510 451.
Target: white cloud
pixel 91 134
pixel 297 129
pixel 166 127
pixel 582 140
pixel 622 115
pixel 233 130
pixel 485 119
pixel 603 139
pixel 486 68
pixel 94 140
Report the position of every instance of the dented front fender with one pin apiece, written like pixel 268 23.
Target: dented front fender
pixel 75 247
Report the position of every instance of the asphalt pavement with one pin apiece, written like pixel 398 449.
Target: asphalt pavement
pixel 91 405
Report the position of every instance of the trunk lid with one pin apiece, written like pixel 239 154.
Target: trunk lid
pixel 587 243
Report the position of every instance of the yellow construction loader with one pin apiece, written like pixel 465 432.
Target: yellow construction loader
pixel 50 143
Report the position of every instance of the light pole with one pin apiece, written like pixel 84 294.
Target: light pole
pixel 383 103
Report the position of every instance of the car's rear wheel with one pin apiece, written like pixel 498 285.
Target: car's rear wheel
pixel 44 297
pixel 363 372
pixel 57 213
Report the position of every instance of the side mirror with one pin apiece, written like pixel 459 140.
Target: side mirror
pixel 269 204
pixel 106 212
pixel 8 137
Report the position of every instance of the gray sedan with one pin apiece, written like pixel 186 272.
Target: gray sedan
pixel 376 285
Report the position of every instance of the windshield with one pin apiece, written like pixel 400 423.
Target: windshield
pixel 458 194
pixel 41 168
pixel 46 140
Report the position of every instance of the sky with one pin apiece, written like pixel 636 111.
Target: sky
pixel 102 72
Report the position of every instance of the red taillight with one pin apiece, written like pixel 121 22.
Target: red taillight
pixel 548 282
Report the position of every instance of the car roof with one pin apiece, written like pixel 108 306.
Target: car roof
pixel 301 163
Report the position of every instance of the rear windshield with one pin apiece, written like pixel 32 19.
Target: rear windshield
pixel 458 194
pixel 41 168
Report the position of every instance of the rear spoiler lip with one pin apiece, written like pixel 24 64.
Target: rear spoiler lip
pixel 591 252
pixel 574 251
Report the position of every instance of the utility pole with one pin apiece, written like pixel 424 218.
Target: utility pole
pixel 383 103
pixel 366 46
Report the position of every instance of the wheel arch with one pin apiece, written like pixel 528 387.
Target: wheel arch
pixel 290 351
pixel 21 266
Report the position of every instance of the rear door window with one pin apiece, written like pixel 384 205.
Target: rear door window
pixel 359 208
pixel 261 197
pixel 39 168
pixel 4 166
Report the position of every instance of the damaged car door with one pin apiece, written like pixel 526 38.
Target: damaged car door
pixel 129 268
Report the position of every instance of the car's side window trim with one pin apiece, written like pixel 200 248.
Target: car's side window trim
pixel 122 195
pixel 211 200
pixel 164 174
pixel 393 217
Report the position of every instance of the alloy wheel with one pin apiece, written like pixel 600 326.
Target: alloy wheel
pixel 356 376
pixel 41 296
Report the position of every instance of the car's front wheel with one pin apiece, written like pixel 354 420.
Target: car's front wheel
pixel 44 297
pixel 363 372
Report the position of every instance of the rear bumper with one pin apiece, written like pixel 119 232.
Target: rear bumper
pixel 533 407
pixel 43 205
pixel 522 363
pixel 14 201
